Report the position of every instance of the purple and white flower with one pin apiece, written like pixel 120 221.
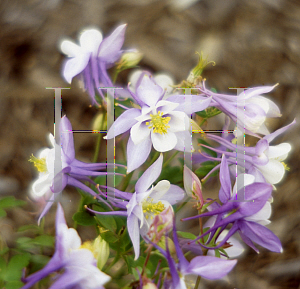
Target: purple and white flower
pixel 73 170
pixel 92 58
pixel 206 266
pixel 79 265
pixel 145 203
pixel 161 123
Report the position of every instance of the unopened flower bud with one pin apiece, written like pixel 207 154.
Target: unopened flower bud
pixel 100 249
pixel 129 60
pixel 192 186
pixel 99 122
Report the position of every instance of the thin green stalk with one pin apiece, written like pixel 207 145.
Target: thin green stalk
pixel 155 156
pixel 126 181
pixel 115 260
pixel 197 282
pixel 170 159
pixel 97 149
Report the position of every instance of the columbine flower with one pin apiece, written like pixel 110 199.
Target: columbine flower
pixel 79 265
pixel 249 109
pixel 242 214
pixel 72 169
pixel 92 58
pixel 263 161
pixel 145 203
pixel 162 123
pixel 208 267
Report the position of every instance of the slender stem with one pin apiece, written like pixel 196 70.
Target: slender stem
pixel 171 158
pixel 147 259
pixel 155 156
pixel 203 121
pixel 180 207
pixel 197 282
pixel 115 260
pixel 126 181
pixel 97 149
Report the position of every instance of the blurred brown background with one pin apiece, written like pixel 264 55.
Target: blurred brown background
pixel 253 42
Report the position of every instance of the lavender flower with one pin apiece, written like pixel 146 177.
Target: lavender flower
pixel 79 265
pixel 72 171
pixel 249 106
pixel 242 214
pixel 92 58
pixel 145 203
pixel 263 161
pixel 208 267
pixel 162 123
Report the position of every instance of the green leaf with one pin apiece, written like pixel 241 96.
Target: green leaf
pixel 2 268
pixel 172 174
pixel 108 222
pixel 205 168
pixel 84 219
pixel 2 213
pixel 11 201
pixel 13 285
pixel 15 267
pixel 217 253
pixel 3 251
pixel 186 235
pixel 44 240
pixel 25 243
pixel 39 261
pixel 29 227
pixel 109 237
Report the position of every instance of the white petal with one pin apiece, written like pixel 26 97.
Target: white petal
pixel 74 66
pixel 90 40
pixel 163 142
pixel 262 215
pixel 184 141
pixel 139 132
pixel 134 76
pixel 242 180
pixel 70 48
pixel 159 190
pixel 165 81
pixel 279 152
pixel 166 106
pixel 42 185
pixel 273 171
pixel 179 121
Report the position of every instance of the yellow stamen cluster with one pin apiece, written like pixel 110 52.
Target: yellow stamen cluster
pixel 159 123
pixel 285 166
pixel 40 164
pixel 153 208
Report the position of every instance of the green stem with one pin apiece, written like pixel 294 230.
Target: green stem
pixel 115 260
pixel 203 121
pixel 126 181
pixel 155 156
pixel 197 282
pixel 171 158
pixel 97 149
pixel 180 207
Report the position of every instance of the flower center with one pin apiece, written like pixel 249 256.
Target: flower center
pixel 40 164
pixel 153 208
pixel 159 123
pixel 285 166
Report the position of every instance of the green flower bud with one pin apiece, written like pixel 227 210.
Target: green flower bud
pixel 129 60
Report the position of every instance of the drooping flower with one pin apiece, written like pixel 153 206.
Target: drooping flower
pixel 248 110
pixel 206 266
pixel 72 171
pixel 263 161
pixel 163 123
pixel 245 214
pixel 79 264
pixel 145 203
pixel 92 58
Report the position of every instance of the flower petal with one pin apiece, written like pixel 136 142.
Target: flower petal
pixel 67 141
pixel 109 50
pixel 210 267
pixel 179 121
pixel 163 142
pixel 149 176
pixel 174 195
pixel 139 132
pixel 74 66
pixel 123 123
pixel 279 152
pixel 70 48
pixel 137 154
pixel 159 190
pixel 148 91
pixel 273 171
pixel 134 233
pixel 90 40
